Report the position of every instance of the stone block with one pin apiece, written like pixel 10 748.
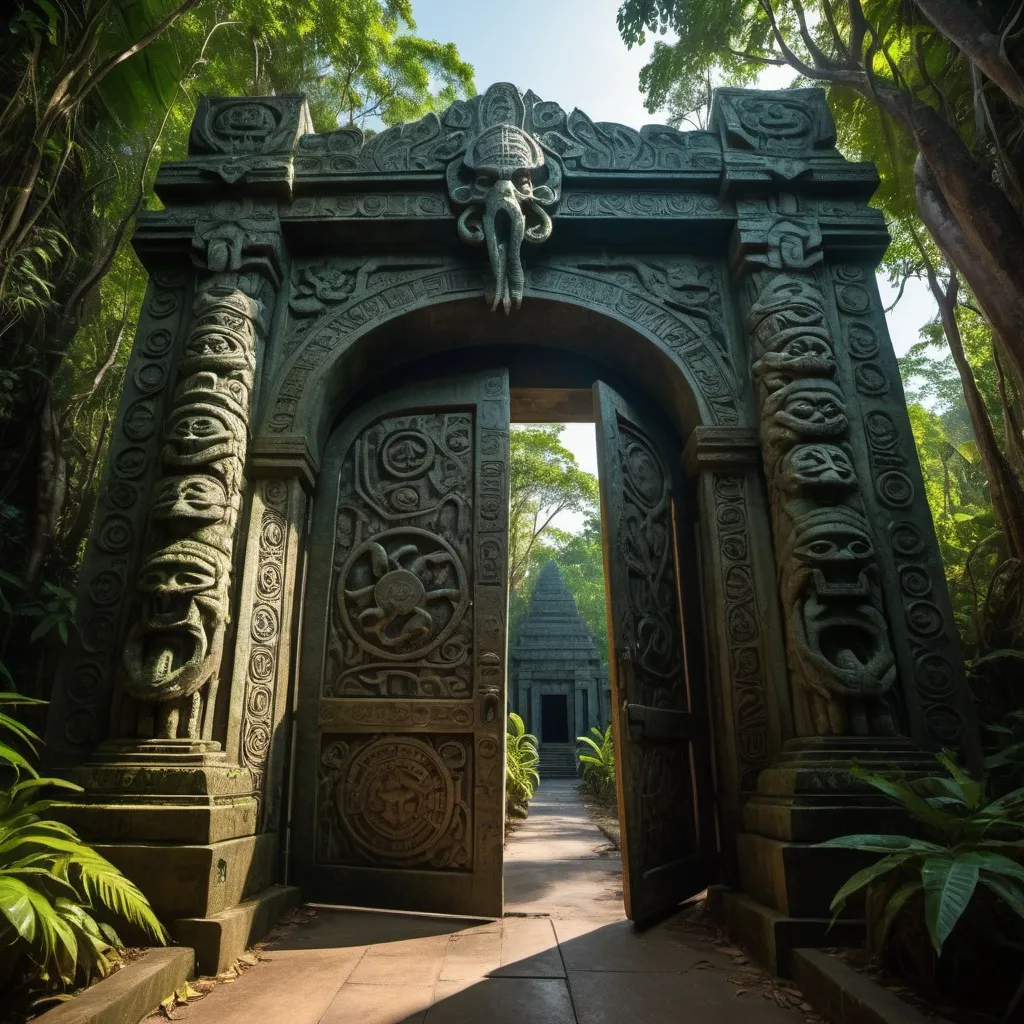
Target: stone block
pixel 130 994
pixel 770 937
pixel 211 822
pixel 846 996
pixel 200 880
pixel 220 939
pixel 798 879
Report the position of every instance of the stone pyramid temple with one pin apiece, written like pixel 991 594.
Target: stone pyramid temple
pixel 557 682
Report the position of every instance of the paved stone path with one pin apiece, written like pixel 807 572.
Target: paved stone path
pixel 562 955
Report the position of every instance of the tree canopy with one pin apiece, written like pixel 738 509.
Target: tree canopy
pixel 94 94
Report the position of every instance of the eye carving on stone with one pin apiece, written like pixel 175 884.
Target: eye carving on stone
pixel 816 467
pixel 805 410
pixel 505 181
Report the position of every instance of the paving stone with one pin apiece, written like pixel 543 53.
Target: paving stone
pixel 694 997
pixel 374 1004
pixel 529 949
pixel 408 961
pixel 503 1001
pixel 617 946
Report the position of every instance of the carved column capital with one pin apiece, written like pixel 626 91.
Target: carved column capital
pixel 284 457
pixel 722 450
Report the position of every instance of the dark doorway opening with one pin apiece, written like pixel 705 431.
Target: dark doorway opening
pixel 554 718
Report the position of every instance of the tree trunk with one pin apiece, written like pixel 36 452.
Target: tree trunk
pixel 975 224
pixel 1004 487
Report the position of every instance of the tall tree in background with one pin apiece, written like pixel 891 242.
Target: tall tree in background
pixel 94 94
pixel 929 89
pixel 545 480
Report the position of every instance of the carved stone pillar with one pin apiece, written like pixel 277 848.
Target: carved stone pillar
pixel 282 474
pixel 751 702
pixel 860 584
pixel 174 766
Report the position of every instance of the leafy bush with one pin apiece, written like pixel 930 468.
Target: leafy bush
pixel 521 761
pixel 597 764
pixel 967 870
pixel 52 885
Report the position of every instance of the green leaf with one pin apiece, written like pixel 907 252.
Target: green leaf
pixel 896 902
pixel 16 906
pixel 883 844
pixel 1011 894
pixel 866 876
pixel 15 759
pixel 948 887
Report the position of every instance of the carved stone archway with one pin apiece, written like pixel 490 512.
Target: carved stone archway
pixel 736 264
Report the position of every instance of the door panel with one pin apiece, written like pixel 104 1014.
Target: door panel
pixel 400 766
pixel 659 713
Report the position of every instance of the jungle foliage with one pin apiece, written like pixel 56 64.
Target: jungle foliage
pixel 945 905
pixel 931 91
pixel 57 895
pixel 94 94
pixel 597 764
pixel 521 775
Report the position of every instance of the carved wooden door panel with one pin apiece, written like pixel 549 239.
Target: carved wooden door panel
pixel 659 713
pixel 399 794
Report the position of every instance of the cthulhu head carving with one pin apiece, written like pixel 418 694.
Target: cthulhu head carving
pixel 176 644
pixel 504 182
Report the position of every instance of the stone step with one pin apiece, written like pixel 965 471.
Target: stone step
pixel 557 761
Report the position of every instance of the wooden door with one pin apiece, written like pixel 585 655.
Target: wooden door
pixel 659 714
pixel 399 793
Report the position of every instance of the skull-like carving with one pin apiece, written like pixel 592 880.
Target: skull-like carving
pixel 504 182
pixel 176 645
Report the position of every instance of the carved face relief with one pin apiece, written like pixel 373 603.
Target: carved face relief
pixel 505 182
pixel 200 434
pixel 816 467
pixel 805 410
pixel 196 500
pixel 176 644
pixel 793 356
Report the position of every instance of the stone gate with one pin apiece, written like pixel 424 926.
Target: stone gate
pixel 724 279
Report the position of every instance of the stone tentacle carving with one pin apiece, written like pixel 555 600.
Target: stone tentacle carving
pixel 838 643
pixel 505 183
pixel 172 653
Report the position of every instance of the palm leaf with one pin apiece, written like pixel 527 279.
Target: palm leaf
pixel 896 902
pixel 878 843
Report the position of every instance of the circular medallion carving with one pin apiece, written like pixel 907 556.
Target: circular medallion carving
pixel 264 623
pixel 80 727
pixel 257 701
pixel 643 474
pixel 261 664
pixel 269 580
pixel 150 378
pixel 943 723
pixel 98 634
pixel 402 593
pixel 121 495
pixel 741 624
pixel 882 432
pixel 407 454
pixel 934 675
pixel 906 540
pixel 139 421
pixel 915 581
pixel 895 488
pixel 405 499
pixel 115 534
pixel 734 547
pixel 275 492
pixel 157 343
pixel 851 298
pixel 130 463
pixel 271 531
pixel 924 618
pixel 396 799
pixel 162 304
pixel 871 379
pixel 85 682
pixel 862 341
pixel 106 587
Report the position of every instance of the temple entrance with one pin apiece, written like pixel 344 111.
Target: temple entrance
pixel 399 796
pixel 554 718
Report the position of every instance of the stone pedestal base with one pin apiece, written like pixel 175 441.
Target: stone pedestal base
pixel 808 795
pixel 771 936
pixel 220 939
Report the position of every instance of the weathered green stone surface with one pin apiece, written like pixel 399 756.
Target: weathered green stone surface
pixel 721 281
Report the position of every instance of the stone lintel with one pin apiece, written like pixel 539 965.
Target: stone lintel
pixel 722 449
pixel 283 457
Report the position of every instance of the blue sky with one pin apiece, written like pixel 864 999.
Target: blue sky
pixel 570 51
